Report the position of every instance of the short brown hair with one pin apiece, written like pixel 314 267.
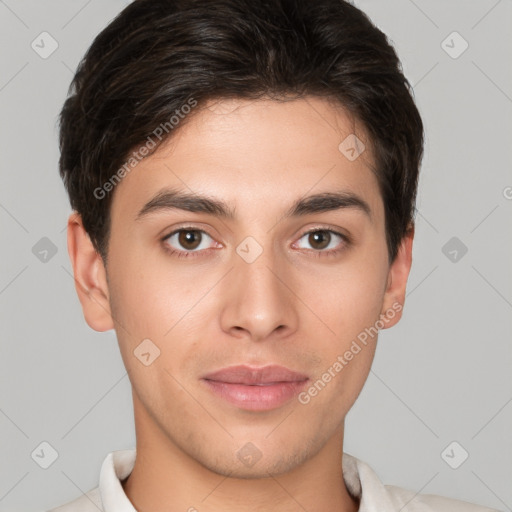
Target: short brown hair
pixel 158 54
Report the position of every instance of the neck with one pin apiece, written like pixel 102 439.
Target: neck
pixel 165 478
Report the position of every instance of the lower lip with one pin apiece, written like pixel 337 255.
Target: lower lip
pixel 256 398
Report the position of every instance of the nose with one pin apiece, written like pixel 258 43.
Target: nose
pixel 258 301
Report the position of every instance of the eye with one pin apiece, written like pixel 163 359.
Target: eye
pixel 187 240
pixel 324 241
pixel 190 241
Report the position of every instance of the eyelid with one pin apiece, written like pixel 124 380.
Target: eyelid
pixel 332 229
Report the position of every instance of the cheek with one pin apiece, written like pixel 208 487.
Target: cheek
pixel 334 391
pixel 349 306
pixel 163 304
pixel 347 298
pixel 148 297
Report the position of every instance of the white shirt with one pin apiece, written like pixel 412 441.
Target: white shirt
pixel 360 479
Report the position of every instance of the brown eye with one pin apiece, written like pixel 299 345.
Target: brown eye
pixel 323 242
pixel 189 239
pixel 319 239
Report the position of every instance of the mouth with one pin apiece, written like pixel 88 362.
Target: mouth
pixel 256 389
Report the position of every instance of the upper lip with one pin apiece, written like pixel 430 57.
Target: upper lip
pixel 249 375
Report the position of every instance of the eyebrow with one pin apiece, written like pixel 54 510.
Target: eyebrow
pixel 172 199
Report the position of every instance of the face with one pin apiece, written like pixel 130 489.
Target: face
pixel 280 279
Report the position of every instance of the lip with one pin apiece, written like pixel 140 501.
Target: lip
pixel 256 388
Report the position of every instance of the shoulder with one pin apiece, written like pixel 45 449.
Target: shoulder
pixel 429 502
pixel 364 484
pixel 88 502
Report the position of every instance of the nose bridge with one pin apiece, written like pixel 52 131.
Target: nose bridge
pixel 258 301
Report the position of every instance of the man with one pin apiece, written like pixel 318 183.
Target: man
pixel 243 177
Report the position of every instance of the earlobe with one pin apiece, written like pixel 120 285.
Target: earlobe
pixel 394 296
pixel 90 276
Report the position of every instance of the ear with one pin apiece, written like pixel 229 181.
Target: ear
pixel 394 296
pixel 90 276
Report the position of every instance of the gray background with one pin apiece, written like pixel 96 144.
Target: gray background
pixel 441 375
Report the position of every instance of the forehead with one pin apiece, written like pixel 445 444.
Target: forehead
pixel 262 153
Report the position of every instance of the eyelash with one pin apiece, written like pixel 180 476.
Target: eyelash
pixel 192 254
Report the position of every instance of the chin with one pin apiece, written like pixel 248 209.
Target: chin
pixel 252 463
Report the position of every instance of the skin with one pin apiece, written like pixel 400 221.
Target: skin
pixel 294 305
